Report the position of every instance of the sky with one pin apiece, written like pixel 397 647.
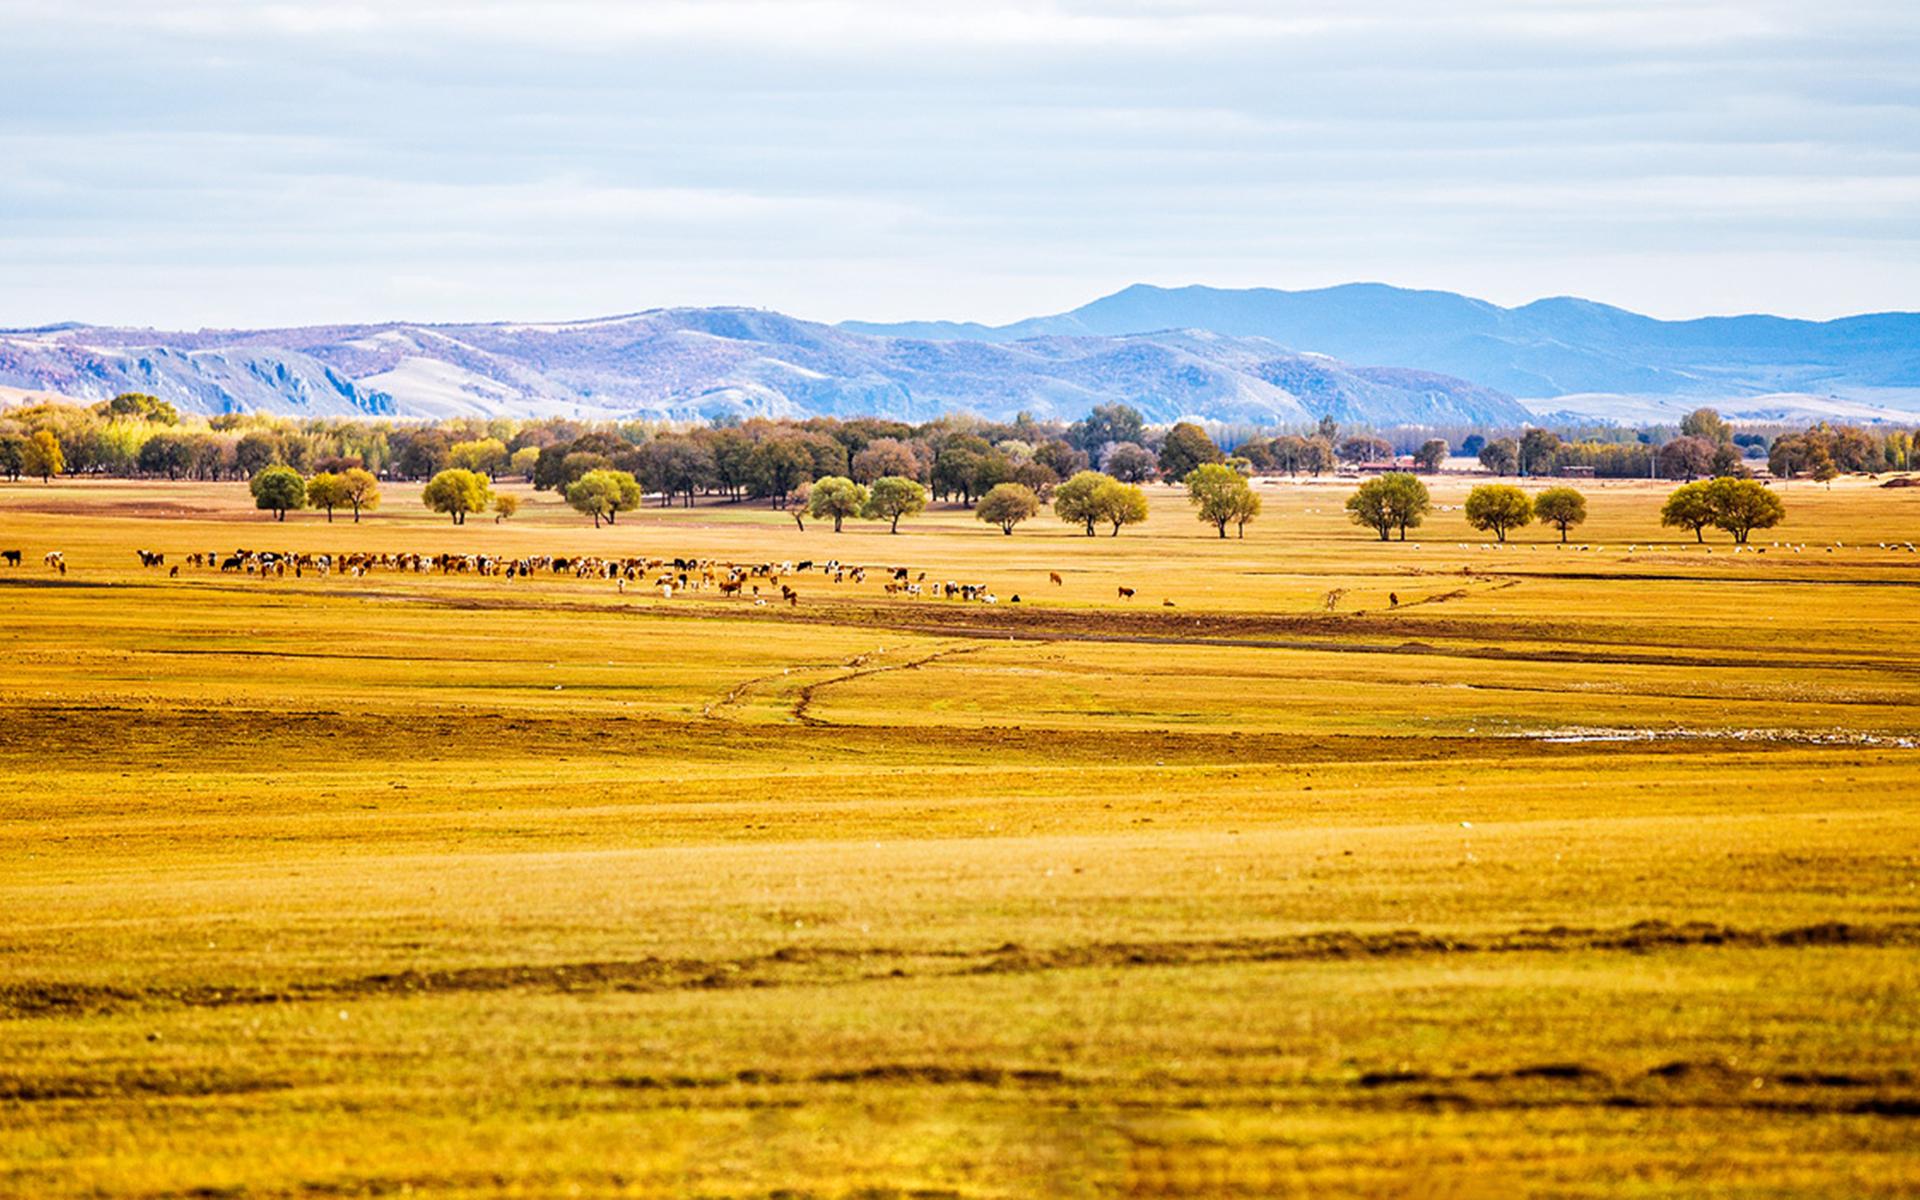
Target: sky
pixel 244 164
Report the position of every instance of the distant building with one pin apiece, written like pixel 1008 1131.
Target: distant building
pixel 1576 471
pixel 1405 462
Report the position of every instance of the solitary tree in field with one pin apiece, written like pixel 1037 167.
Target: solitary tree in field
pixel 278 489
pixel 1393 501
pixel 604 494
pixel 361 490
pixel 1073 501
pixel 836 497
pixel 1498 507
pixel 1687 508
pixel 457 492
pixel 1119 504
pixel 1561 507
pixel 1221 496
pixel 1432 454
pixel 327 490
pixel 1741 506
pixel 1008 504
pixel 505 504
pixel 43 456
pixel 896 496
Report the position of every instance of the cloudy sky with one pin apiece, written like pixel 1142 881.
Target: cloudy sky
pixel 235 163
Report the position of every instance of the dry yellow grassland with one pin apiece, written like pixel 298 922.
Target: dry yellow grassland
pixel 1580 871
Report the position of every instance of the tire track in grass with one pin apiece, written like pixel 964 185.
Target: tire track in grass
pixel 804 700
pixel 831 965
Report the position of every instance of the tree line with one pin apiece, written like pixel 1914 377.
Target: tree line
pixel 1397 502
pixel 955 456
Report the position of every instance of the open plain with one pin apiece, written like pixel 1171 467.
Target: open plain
pixel 1584 870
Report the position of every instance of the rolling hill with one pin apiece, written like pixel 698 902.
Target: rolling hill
pixel 710 362
pixel 1259 355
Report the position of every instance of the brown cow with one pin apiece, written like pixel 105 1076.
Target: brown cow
pixel 1126 593
pixel 1055 577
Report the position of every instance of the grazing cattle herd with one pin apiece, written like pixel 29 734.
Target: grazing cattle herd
pixel 670 576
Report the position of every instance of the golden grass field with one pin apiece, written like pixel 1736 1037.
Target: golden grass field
pixel 1580 872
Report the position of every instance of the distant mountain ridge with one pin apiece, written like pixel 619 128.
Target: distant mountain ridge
pixel 710 362
pixel 1540 352
pixel 1257 355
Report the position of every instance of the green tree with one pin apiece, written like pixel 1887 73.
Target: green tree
pixel 141 406
pixel 1789 455
pixel 361 490
pixel 255 452
pixel 1187 446
pixel 1007 505
pixel 675 466
pixel 1741 506
pixel 425 454
pixel 1561 507
pixel 13 455
pixel 278 489
pixel 1107 423
pixel 603 494
pixel 523 460
pixel 578 463
pixel 959 465
pixel 1501 456
pixel 896 496
pixel 327 490
pixel 457 492
pixel 1537 448
pixel 488 456
pixel 43 456
pixel 1687 508
pixel 1221 496
pixel 1707 424
pixel 776 467
pixel 1432 454
pixel 1119 504
pixel 1074 500
pixel 169 454
pixel 1395 500
pixel 836 497
pixel 1498 507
